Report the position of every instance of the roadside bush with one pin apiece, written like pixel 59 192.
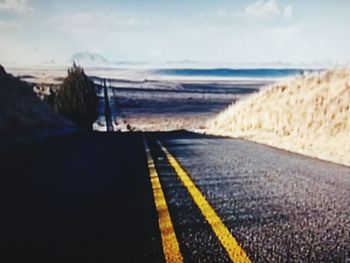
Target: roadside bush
pixel 76 99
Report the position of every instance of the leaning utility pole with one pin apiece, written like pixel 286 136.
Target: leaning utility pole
pixel 108 113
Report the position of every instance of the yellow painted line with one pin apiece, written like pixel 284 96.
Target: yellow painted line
pixel 170 244
pixel 232 247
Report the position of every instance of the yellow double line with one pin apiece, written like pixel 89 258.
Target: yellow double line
pixel 171 247
pixel 232 247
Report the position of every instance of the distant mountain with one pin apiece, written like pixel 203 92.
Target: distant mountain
pixel 89 59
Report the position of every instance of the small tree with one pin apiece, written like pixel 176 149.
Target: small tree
pixel 76 99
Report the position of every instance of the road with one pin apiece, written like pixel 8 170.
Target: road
pixel 96 197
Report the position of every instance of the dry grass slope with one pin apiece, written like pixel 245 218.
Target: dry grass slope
pixel 308 115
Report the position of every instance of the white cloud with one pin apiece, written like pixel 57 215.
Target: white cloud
pixel 6 25
pixel 265 9
pixel 156 53
pixel 287 42
pixel 17 6
pixel 100 31
pixel 288 12
pixel 95 21
pixel 222 13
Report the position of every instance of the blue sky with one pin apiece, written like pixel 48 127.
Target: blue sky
pixel 259 31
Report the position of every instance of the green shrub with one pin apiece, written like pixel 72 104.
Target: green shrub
pixel 76 99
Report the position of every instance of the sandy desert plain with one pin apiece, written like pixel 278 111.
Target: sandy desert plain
pixel 306 112
pixel 147 101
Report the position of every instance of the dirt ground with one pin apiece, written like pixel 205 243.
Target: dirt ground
pixel 173 105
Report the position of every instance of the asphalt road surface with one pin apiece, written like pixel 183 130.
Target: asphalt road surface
pixel 93 197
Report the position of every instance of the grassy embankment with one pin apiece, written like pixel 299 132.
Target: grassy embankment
pixel 308 115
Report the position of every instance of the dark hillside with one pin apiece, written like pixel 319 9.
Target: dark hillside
pixel 22 113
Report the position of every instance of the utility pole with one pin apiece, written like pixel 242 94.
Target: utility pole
pixel 108 112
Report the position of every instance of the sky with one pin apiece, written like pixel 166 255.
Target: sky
pixel 228 31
